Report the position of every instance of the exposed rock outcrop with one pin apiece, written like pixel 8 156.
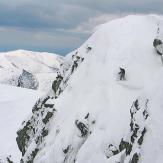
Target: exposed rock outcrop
pixel 31 136
pixel 27 80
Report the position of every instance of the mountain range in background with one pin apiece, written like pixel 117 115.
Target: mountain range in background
pixel 33 70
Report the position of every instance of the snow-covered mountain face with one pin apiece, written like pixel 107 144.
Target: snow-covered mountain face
pixel 92 116
pixel 40 67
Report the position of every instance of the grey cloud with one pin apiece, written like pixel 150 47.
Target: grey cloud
pixel 57 15
pixel 56 41
pixel 61 24
pixel 118 6
pixel 66 14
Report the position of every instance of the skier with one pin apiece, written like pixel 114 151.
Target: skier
pixel 89 48
pixel 122 74
pixel 158 44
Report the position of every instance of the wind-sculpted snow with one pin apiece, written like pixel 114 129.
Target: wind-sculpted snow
pixel 91 117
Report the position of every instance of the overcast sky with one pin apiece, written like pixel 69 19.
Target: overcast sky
pixel 60 26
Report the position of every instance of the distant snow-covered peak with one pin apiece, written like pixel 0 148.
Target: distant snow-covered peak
pixel 41 64
pixel 32 61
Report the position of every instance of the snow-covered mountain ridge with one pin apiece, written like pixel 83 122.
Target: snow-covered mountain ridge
pixel 42 66
pixel 92 117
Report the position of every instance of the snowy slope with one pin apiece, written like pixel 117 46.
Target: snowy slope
pixel 93 88
pixel 42 65
pixel 15 106
pixel 95 117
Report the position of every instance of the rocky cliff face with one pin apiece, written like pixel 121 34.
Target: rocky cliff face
pixel 28 80
pixel 31 137
pixel 93 117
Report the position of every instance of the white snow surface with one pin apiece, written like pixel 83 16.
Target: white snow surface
pixel 15 106
pixel 94 89
pixel 41 64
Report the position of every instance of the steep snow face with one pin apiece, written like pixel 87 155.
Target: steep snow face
pixel 94 90
pixel 98 118
pixel 15 106
pixel 152 146
pixel 42 65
